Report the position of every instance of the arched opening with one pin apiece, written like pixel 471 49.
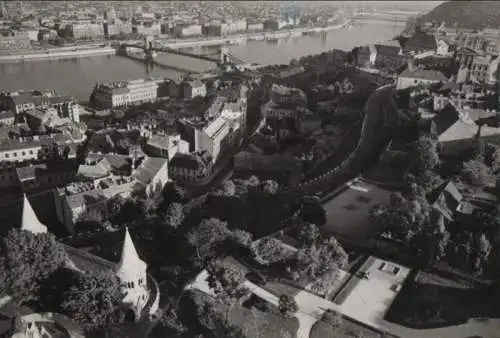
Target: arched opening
pixel 130 315
pixel 150 44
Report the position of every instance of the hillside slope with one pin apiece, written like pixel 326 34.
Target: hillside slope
pixel 467 14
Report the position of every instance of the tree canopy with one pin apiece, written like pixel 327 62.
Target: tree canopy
pixel 174 215
pixel 206 237
pixel 94 301
pixel 227 282
pixel 26 260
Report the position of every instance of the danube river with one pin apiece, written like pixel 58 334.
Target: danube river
pixel 78 76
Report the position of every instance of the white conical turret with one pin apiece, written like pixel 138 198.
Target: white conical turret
pixel 30 221
pixel 131 267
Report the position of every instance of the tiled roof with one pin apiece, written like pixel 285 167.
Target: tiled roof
pixel 188 161
pixel 148 169
pixel 22 98
pixel 6 114
pixel 420 41
pixel 424 74
pixel 458 131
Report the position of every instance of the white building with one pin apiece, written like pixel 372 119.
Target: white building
pixel 166 146
pixel 119 94
pixel 412 77
pixel 210 137
pixel 188 30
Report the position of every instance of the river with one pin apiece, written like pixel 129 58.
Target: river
pixel 77 77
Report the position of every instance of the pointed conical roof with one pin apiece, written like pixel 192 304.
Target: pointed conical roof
pixel 131 267
pixel 30 221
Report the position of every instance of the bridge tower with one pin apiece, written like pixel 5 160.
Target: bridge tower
pixel 224 55
pixel 149 48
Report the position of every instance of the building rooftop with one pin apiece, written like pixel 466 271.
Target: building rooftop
pixel 190 161
pixel 424 74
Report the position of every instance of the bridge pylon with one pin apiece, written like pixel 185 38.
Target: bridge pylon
pixel 149 53
pixel 224 55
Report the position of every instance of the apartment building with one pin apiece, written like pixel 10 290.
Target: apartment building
pixel 123 93
pixel 15 42
pixel 194 167
pixel 183 31
pixel 288 96
pixel 166 146
pixel 86 30
pixel 192 89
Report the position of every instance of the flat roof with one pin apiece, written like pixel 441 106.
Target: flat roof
pixel 347 214
pixel 369 298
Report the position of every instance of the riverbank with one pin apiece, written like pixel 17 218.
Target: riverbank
pixel 56 53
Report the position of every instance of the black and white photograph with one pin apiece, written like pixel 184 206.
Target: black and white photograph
pixel 249 169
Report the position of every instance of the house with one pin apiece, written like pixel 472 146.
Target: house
pixel 419 43
pixel 465 56
pixel 389 55
pixel 484 69
pixel 458 131
pixel 412 77
pixel 194 167
pixel 46 175
pixel 444 201
pixel 444 47
pixel 20 102
pixel 7 117
pixel 105 176
pixel 192 89
pixel 166 146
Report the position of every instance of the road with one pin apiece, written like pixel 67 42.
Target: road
pixel 312 307
pixel 374 135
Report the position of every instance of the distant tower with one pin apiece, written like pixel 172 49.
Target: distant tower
pixel 3 10
pixel 29 220
pixel 131 272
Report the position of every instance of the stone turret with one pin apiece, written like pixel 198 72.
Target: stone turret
pixel 30 221
pixel 131 272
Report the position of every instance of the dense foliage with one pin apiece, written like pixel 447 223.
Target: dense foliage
pixel 26 260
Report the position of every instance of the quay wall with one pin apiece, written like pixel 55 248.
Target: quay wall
pixel 57 54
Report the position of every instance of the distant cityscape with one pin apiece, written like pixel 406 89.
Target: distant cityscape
pixel 349 193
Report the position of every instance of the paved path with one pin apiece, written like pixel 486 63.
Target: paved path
pixel 312 307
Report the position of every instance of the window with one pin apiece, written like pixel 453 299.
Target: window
pixel 15 154
pixel 23 153
pixel 6 155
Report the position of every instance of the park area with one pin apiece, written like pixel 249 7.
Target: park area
pixel 347 214
pixel 255 317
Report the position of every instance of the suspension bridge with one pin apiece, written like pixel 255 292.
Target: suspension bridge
pixel 221 57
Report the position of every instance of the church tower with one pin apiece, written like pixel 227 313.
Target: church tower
pixel 131 272
pixel 30 221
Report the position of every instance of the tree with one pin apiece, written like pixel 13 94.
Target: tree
pixel 309 234
pixel 426 154
pixel 332 317
pixel 227 282
pixel 89 220
pixel 316 260
pixel 217 322
pixel 270 186
pixel 227 188
pixel 287 305
pixel 477 173
pixel 241 237
pixel 269 250
pixel 174 215
pixel 94 301
pixel 26 260
pixel 207 236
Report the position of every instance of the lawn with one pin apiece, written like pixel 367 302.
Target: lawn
pixel 434 301
pixel 347 213
pixel 255 317
pixel 347 329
